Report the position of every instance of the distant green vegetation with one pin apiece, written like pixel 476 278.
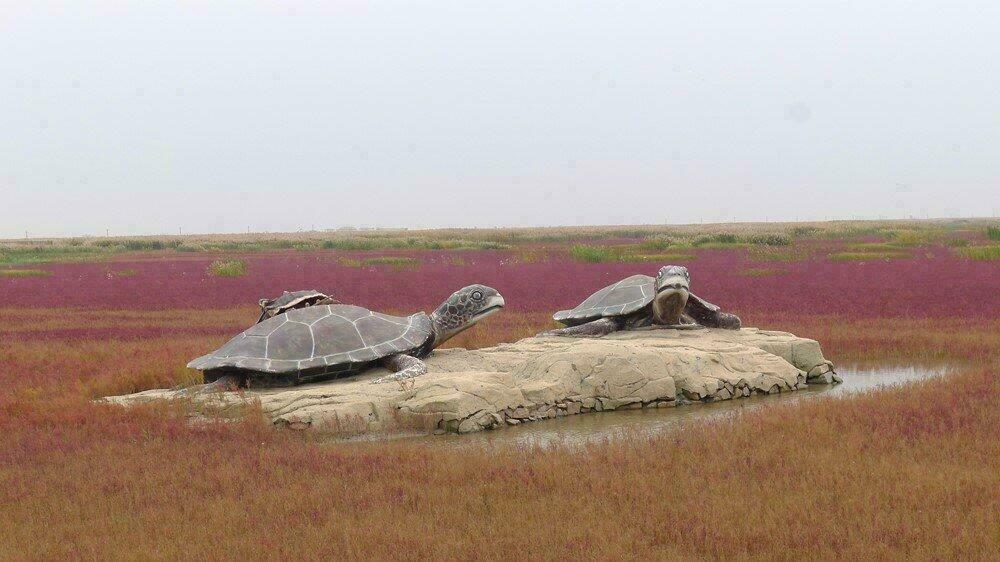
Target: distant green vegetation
pixel 595 254
pixel 665 249
pixel 781 254
pixel 395 261
pixel 730 240
pixel 866 256
pixel 911 238
pixel 129 272
pixel 244 246
pixel 46 253
pixel 659 243
pixel 228 268
pixel 145 245
pixel 875 247
pixel 872 251
pixel 411 243
pixel 628 243
pixel 982 253
pixel 531 255
pixel 24 273
pixel 805 231
pixel 75 249
pixel 606 254
pixel 916 235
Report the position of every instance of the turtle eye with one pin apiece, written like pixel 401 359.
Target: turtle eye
pixel 477 295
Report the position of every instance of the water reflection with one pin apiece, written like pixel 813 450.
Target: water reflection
pixel 601 426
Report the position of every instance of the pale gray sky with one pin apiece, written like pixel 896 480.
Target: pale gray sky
pixel 149 117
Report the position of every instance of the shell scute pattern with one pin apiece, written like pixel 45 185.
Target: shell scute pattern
pixel 624 297
pixel 294 340
pixel 264 328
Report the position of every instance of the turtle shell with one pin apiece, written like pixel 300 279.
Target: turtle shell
pixel 622 298
pixel 315 342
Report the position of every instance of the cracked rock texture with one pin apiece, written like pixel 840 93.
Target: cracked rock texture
pixel 539 378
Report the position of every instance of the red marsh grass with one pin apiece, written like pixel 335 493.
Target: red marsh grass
pixel 912 287
pixel 888 474
pixel 899 473
pixel 761 271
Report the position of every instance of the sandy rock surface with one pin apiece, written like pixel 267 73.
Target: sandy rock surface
pixel 538 378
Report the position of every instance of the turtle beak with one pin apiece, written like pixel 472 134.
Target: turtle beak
pixel 493 305
pixel 674 283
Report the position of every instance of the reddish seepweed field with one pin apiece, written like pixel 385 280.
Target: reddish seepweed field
pixel 909 472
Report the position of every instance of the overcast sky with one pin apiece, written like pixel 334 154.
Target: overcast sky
pixel 155 117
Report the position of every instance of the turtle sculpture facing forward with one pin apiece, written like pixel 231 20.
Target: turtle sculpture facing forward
pixel 640 301
pixel 325 341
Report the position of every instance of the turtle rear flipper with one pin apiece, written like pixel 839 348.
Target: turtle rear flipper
pixel 592 329
pixel 403 367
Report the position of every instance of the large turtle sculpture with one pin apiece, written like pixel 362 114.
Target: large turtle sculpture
pixel 641 301
pixel 270 308
pixel 319 342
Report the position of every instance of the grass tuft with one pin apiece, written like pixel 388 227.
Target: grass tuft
pixel 729 240
pixel 228 268
pixel 866 256
pixel 594 254
pixel 394 261
pixel 981 253
pixel 785 254
pixel 624 254
pixel 143 245
pixel 24 273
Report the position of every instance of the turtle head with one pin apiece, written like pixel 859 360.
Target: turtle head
pixel 463 309
pixel 673 285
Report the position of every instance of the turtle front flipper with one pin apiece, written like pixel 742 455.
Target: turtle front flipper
pixel 593 329
pixel 710 315
pixel 403 367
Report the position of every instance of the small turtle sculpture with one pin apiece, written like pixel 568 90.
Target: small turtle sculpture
pixel 270 308
pixel 640 301
pixel 325 341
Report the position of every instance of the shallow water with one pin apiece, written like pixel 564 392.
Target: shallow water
pixel 601 426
